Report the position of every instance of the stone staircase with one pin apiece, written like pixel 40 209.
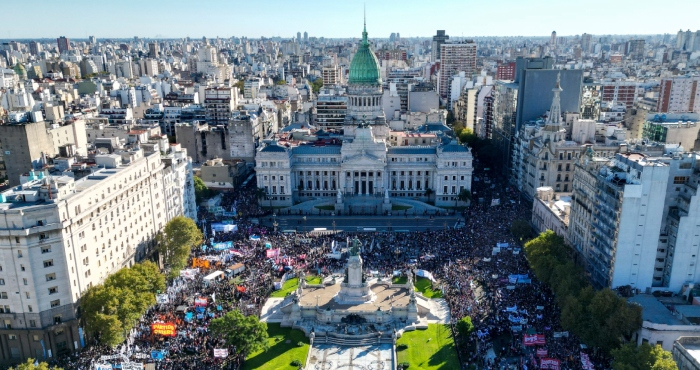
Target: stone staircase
pixel 351 341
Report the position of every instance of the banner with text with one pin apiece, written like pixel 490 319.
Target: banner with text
pixel 167 329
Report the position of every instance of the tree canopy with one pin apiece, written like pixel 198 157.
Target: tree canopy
pixel 176 242
pixel 201 191
pixel 599 318
pixel 316 85
pixel 521 229
pixel 644 357
pixel 111 309
pixel 29 365
pixel 465 326
pixel 247 333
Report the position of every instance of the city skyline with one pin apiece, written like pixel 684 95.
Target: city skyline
pixel 225 19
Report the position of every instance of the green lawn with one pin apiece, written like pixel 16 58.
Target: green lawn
pixel 400 208
pixel 424 286
pixel 399 279
pixel 288 287
pixel 314 280
pixel 280 354
pixel 433 348
pixel 325 208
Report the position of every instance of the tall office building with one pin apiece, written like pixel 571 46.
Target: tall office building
pixel 35 48
pixel 553 39
pixel 438 40
pixel 634 49
pixel 63 44
pixel 92 40
pixel 153 50
pixel 299 37
pixel 306 37
pixel 454 58
pixel 586 43
pixel 679 95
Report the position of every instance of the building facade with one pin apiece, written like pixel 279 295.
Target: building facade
pixel 454 58
pixel 58 231
pixel 679 95
pixel 364 164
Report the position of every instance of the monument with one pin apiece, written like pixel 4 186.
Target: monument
pixel 354 289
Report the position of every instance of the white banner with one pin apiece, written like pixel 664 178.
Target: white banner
pixel 425 274
pixel 103 367
pixel 162 298
pixel 220 352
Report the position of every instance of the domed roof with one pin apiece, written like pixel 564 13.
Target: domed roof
pixel 364 68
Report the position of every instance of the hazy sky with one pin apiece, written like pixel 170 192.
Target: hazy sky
pixel 332 18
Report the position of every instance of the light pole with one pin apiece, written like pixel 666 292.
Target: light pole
pixel 333 226
pixel 274 223
pixel 304 218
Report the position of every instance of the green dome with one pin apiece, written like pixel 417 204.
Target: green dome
pixel 364 68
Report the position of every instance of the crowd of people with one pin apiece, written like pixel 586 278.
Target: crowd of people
pixel 475 275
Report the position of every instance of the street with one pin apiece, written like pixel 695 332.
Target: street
pixel 359 223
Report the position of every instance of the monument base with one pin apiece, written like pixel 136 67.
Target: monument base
pixel 354 294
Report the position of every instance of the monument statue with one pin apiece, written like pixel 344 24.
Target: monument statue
pixel 355 248
pixel 339 197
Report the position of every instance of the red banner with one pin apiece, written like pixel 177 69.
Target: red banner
pixel 549 363
pixel 541 352
pixel 534 339
pixel 272 253
pixel 167 329
pixel 200 302
pixel 240 289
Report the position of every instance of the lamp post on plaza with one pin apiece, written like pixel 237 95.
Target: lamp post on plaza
pixel 304 218
pixel 274 223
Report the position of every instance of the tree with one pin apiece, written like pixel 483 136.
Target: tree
pixel 644 357
pixel 247 333
pixel 178 238
pixel 464 196
pixel 261 193
pixel 240 84
pixel 316 85
pixel 30 365
pixel 429 193
pixel 201 191
pixel 281 82
pixel 467 136
pixel 465 326
pixel 521 229
pixel 111 309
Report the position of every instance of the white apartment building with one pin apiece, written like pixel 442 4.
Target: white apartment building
pixel 640 217
pixel 61 235
pixel 251 87
pixel 679 95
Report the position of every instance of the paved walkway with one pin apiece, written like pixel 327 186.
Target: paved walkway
pixel 363 205
pixel 271 310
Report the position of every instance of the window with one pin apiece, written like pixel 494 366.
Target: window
pixel 680 179
pixel 48 263
pixel 17 239
pixel 32 323
pixel 36 338
pixel 55 303
pixel 19 254
pixel 21 267
pixel 27 295
pixel 3 295
pixel 50 277
pixel 11 337
pixel 45 250
pixel 6 309
pixel 25 281
pixel 2 281
pixel 30 308
pixel 56 321
pixel 53 290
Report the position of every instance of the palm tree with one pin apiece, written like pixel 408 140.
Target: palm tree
pixel 261 193
pixel 464 196
pixel 428 193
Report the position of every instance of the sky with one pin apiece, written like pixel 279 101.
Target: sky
pixel 333 18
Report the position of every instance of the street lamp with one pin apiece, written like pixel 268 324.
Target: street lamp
pixel 304 218
pixel 333 226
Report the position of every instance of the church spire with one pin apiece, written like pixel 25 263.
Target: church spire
pixel 554 118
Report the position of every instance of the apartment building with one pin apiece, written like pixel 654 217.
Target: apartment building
pixel 454 58
pixel 62 235
pixel 679 95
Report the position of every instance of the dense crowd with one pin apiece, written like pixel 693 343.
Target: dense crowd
pixel 476 280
